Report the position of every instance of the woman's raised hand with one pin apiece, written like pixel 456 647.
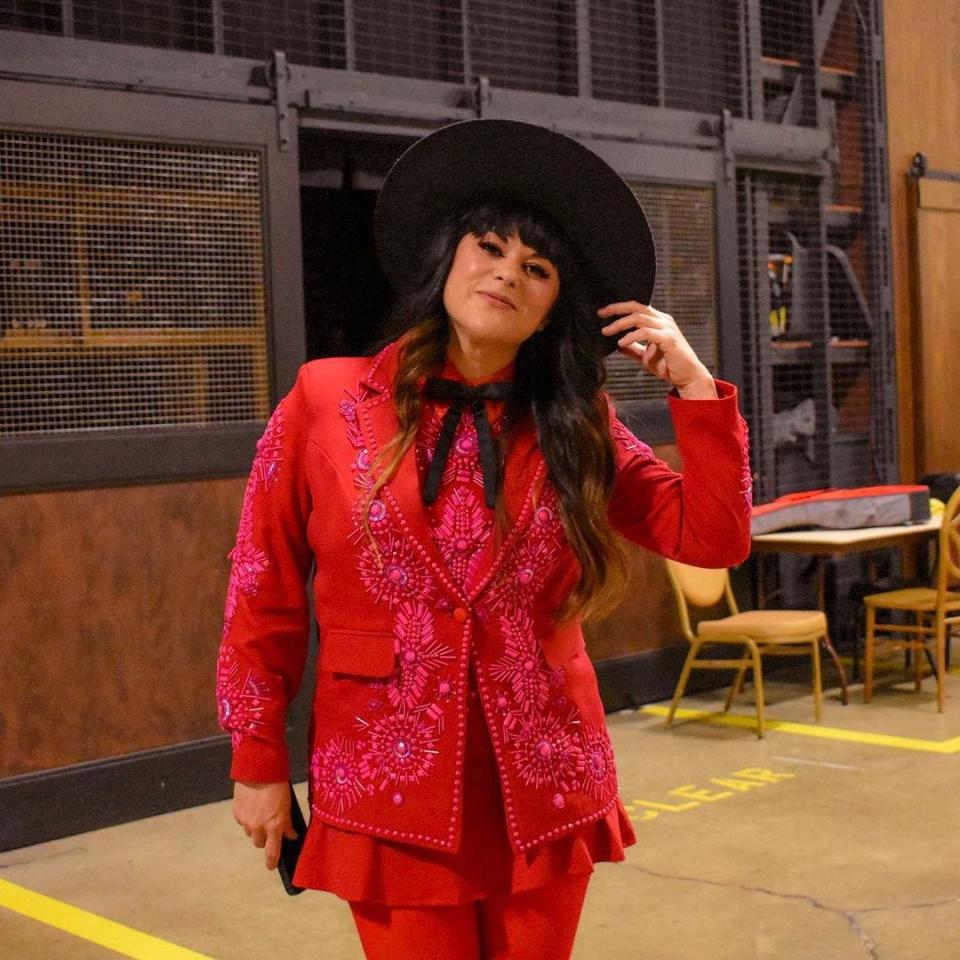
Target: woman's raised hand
pixel 263 810
pixel 653 339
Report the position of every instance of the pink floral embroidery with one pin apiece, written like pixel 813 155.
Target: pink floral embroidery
pixel 396 749
pixel 746 472
pixel 248 560
pixel 241 697
pixel 520 667
pixel 335 775
pixel 266 463
pixel 546 752
pixel 523 574
pixel 546 517
pixel 348 410
pixel 400 749
pixel 420 654
pixel 392 572
pixel 463 463
pixel 461 533
pixel 622 435
pixel 599 779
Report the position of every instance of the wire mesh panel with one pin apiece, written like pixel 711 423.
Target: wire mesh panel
pixel 812 262
pixel 676 53
pixel 625 51
pixel 682 221
pixel 408 38
pixel 175 24
pixel 525 47
pixel 131 284
pixel 314 34
pixel 813 248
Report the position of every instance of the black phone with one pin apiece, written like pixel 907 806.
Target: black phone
pixel 290 849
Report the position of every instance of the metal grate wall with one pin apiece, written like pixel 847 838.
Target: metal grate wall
pixel 131 284
pixel 814 317
pixel 816 325
pixel 675 53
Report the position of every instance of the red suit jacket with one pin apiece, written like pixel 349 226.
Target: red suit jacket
pixel 397 636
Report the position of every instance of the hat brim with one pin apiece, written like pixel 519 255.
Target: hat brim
pixel 465 161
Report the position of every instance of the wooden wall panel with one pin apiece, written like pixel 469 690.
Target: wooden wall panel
pixel 111 611
pixel 110 618
pixel 938 241
pixel 923 107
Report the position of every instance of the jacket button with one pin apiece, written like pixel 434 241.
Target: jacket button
pixel 460 614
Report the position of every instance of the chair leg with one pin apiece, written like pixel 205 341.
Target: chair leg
pixel 735 688
pixel 918 659
pixel 817 679
pixel 682 682
pixel 868 655
pixel 832 650
pixel 941 658
pixel 758 685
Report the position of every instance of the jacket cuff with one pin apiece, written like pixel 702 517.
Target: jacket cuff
pixel 259 761
pixel 725 391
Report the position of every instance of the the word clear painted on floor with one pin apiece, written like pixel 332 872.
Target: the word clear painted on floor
pixel 690 796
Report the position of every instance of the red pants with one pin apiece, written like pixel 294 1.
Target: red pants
pixel 537 924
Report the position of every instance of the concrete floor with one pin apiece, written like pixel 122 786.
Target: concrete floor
pixel 816 843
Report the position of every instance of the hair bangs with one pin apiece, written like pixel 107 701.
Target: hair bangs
pixel 504 216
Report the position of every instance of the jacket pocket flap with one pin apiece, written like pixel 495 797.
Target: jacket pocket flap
pixel 357 652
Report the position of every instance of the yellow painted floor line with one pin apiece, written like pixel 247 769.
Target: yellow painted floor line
pixel 88 926
pixel 812 730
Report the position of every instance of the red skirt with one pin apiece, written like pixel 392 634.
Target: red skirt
pixel 356 866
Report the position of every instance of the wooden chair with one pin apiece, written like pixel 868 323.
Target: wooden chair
pixel 935 610
pixel 757 632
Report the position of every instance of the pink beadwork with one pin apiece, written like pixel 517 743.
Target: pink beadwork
pixel 266 463
pixel 546 516
pixel 335 776
pixel 599 778
pixel 399 749
pixel 248 560
pixel 241 697
pixel 520 666
pixel 746 472
pixel 463 463
pixel 622 435
pixel 398 738
pixel 523 574
pixel 461 533
pixel 348 410
pixel 420 655
pixel 546 753
pixel 392 572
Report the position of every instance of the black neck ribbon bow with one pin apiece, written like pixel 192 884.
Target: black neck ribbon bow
pixel 461 396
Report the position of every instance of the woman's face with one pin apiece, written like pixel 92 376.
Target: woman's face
pixel 499 292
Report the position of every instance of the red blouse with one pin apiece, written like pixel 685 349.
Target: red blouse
pixel 357 866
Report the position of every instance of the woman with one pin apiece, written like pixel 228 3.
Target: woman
pixel 459 495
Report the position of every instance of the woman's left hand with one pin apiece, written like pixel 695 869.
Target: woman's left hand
pixel 667 353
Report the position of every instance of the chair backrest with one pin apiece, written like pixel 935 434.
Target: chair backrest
pixel 948 548
pixel 698 587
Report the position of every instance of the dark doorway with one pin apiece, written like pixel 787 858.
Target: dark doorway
pixel 346 296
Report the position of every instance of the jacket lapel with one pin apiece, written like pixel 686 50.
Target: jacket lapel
pixel 524 474
pixel 379 425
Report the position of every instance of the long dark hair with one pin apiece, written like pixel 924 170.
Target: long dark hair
pixel 558 379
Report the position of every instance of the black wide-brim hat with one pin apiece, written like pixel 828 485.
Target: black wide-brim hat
pixel 458 164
